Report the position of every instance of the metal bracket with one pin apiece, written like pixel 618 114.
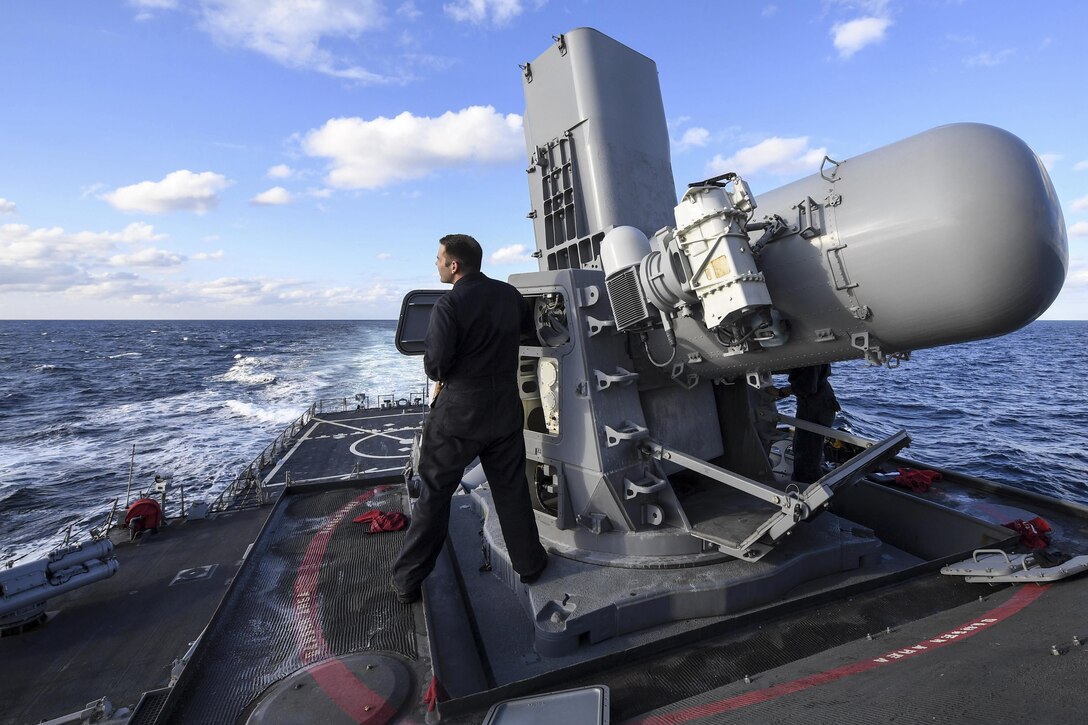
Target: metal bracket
pixel 759 380
pixel 834 172
pixel 627 431
pixel 620 377
pixel 896 358
pixel 527 71
pixel 596 326
pixel 684 379
pixel 587 296
pixel 873 354
pixel 561 43
pixel 825 334
pixel 810 222
pixel 596 522
pixel 649 484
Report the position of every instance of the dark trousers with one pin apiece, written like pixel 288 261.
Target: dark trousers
pixel 808 447
pixel 465 423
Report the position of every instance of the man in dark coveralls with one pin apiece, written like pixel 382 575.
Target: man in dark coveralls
pixel 816 403
pixel 471 348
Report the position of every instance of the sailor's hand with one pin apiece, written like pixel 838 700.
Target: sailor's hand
pixel 437 390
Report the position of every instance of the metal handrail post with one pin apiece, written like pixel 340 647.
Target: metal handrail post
pixel 131 464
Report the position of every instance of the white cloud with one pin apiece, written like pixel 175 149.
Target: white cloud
pixel 1080 229
pixel 202 256
pixel 372 154
pixel 1049 160
pixel 146 8
pixel 6 207
pixel 147 257
pixel 134 232
pixel 276 196
pixel 49 258
pixel 279 171
pixel 1077 275
pixel 693 137
pixel 91 189
pixel 1081 204
pixel 383 256
pixel 498 12
pixel 774 155
pixel 291 33
pixel 178 191
pixel 154 4
pixel 1081 165
pixel 263 292
pixel 50 271
pixel 852 36
pixel 987 59
pixel 513 254
pixel 408 10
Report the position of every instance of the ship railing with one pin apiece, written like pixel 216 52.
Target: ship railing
pixel 362 401
pixel 247 489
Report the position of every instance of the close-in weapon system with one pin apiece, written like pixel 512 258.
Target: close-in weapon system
pixel 660 321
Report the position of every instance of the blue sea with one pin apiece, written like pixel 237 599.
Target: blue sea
pixel 199 400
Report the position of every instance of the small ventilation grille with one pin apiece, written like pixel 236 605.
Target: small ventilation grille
pixel 628 305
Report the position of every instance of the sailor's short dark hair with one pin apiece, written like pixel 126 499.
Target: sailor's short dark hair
pixel 464 249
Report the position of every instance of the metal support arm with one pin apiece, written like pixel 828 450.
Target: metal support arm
pixel 747 485
pixel 793 507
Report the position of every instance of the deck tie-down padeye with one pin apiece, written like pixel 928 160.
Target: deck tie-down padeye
pixel 994 566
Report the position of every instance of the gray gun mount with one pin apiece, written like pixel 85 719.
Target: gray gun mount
pixel 652 313
pixel 659 322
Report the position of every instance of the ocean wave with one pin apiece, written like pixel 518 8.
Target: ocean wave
pixel 125 354
pixel 247 370
pixel 281 415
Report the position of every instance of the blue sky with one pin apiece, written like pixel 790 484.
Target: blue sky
pixel 299 159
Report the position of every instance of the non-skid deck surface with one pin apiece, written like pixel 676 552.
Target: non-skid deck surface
pixel 117 638
pixel 988 661
pixel 316 587
pixel 371 442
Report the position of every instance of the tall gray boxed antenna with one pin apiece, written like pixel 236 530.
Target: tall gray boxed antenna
pixel 599 147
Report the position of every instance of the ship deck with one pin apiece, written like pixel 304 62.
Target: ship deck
pixel 307 625
pixel 119 637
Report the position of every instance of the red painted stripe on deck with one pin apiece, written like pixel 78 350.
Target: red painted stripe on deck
pixel 1025 596
pixel 339 683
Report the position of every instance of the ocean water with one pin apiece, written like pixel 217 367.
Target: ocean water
pixel 199 400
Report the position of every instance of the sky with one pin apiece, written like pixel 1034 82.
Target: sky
pixel 299 159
